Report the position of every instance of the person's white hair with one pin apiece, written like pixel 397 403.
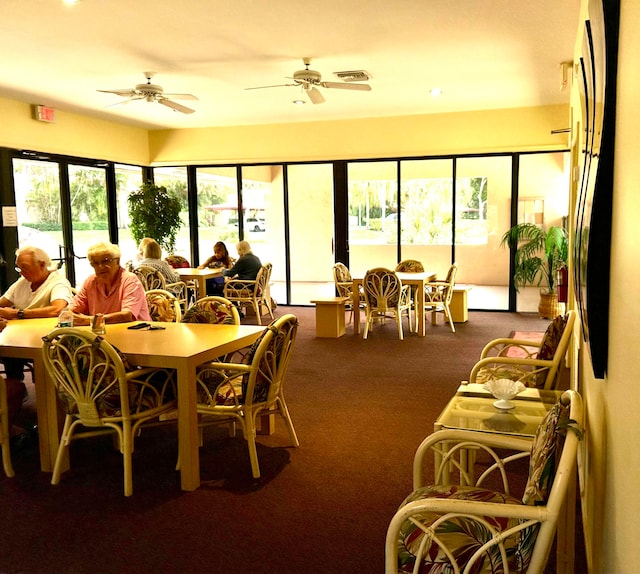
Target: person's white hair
pixel 243 247
pixel 110 249
pixel 38 255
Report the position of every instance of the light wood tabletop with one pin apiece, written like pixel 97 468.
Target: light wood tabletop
pixel 180 346
pixel 200 276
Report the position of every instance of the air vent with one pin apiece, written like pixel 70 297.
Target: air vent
pixel 353 76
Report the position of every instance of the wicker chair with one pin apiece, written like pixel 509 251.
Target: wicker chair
pixel 478 525
pixel 438 294
pixel 213 309
pixel 101 394
pixel 163 306
pixel 240 392
pixel 255 294
pixel 384 296
pixel 344 287
pixel 535 364
pixel 410 266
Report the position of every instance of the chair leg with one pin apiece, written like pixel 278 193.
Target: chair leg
pixel 127 451
pixel 256 308
pixel 399 320
pixel 447 315
pixel 250 434
pixel 284 411
pixel 62 450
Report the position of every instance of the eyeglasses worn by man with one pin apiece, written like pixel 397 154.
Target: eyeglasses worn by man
pixel 112 291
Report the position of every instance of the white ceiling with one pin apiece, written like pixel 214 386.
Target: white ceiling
pixel 484 54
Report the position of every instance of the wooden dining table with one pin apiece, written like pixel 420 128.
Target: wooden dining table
pixel 200 277
pixel 417 281
pixel 179 346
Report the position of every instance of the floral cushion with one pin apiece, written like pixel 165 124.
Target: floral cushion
pixel 198 314
pixel 177 261
pixel 545 453
pixel 220 312
pixel 219 387
pixel 461 535
pixel 161 308
pixel 549 344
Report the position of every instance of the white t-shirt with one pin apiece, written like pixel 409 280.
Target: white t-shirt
pixel 55 287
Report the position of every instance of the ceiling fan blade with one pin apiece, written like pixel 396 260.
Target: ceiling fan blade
pixel 274 86
pixel 127 93
pixel 347 86
pixel 315 96
pixel 181 96
pixel 121 102
pixel 175 106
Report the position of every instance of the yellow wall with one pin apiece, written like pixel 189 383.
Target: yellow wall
pixel 71 134
pixel 612 497
pixel 496 130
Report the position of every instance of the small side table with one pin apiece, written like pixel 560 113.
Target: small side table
pixel 330 316
pixel 458 306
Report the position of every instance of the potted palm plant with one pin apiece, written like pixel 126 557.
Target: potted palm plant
pixel 539 256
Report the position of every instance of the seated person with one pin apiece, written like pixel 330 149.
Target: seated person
pixel 247 266
pixel 112 291
pixel 39 292
pixel 220 258
pixel 151 254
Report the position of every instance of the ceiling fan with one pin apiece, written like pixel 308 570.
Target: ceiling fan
pixel 310 81
pixel 152 93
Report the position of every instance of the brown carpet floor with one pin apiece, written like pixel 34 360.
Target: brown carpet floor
pixel 360 409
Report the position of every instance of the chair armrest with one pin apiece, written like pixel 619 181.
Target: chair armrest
pixel 502 346
pixel 516 363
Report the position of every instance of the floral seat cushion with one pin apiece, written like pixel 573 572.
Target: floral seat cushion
pixel 462 535
pixel 218 387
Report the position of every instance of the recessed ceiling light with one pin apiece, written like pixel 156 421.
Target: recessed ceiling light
pixel 435 92
pixel 299 102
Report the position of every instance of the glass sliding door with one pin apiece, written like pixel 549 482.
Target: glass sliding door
pixel 311 238
pixel 217 189
pixel 128 180
pixel 263 220
pixel 175 180
pixel 89 214
pixel 426 201
pixel 543 199
pixel 373 215
pixel 483 209
pixel 39 206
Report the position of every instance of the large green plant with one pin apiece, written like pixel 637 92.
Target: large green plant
pixel 155 213
pixel 540 254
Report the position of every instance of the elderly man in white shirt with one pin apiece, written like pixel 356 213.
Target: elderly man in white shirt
pixel 39 292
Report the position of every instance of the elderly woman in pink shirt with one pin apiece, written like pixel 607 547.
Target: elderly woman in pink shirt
pixel 112 291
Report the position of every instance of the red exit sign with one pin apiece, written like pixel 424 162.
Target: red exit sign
pixel 44 114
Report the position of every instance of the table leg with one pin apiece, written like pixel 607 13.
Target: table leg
pixel 355 303
pixel 188 439
pixel 47 410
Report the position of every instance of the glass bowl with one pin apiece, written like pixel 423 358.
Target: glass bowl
pixel 504 390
